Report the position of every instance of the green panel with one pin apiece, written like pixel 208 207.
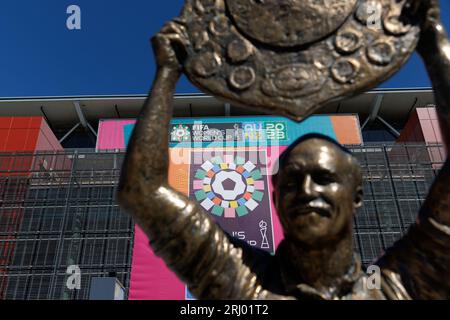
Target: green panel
pixel 256 175
pixel 200 195
pixel 217 210
pixel 257 195
pixel 241 211
pixel 200 174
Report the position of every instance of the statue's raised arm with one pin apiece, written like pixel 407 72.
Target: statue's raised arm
pixel 180 232
pixel 418 265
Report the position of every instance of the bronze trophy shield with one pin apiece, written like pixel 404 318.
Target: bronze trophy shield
pixel 290 57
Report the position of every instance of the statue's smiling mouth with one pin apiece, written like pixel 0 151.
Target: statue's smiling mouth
pixel 313 210
pixel 317 207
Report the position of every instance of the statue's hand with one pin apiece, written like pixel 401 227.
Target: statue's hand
pixel 432 31
pixel 170 45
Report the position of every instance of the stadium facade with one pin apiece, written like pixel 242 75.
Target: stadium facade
pixel 62 232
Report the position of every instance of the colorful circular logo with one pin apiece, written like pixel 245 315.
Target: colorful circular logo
pixel 231 188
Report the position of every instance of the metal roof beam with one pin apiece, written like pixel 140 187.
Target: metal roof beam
pixel 374 110
pixel 69 132
pixel 389 127
pixel 92 130
pixel 80 114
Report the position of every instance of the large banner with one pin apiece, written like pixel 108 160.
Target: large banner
pixel 225 164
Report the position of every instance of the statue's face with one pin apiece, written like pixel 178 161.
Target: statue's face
pixel 316 194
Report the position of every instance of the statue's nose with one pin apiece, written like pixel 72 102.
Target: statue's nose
pixel 308 186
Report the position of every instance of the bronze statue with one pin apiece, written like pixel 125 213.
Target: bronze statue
pixel 263 54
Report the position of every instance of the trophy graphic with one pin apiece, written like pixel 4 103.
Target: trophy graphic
pixel 263 230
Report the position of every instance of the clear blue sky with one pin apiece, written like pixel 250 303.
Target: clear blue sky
pixel 111 54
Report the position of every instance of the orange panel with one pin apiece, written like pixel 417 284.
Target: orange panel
pixel 346 129
pixel 4 133
pixel 26 134
pixel 32 137
pixel 5 123
pixel 36 122
pixel 30 144
pixel 179 169
pixel 20 123
pixel 16 140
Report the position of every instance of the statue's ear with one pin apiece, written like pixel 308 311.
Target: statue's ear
pixel 358 200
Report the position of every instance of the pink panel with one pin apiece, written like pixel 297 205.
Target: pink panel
pixel 259 185
pixel 428 131
pixel 423 113
pixel 272 160
pixel 42 143
pixel 52 141
pixel 230 213
pixel 110 134
pixel 437 130
pixel 149 271
pixel 432 113
pixel 198 184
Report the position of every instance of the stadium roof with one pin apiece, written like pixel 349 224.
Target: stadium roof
pixel 392 105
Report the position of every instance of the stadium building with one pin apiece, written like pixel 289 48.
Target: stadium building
pixel 63 236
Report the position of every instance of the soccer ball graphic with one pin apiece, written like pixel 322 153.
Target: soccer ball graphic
pixel 231 188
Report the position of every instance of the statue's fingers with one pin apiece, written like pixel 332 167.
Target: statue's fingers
pixel 160 40
pixel 174 27
pixel 167 39
pixel 176 38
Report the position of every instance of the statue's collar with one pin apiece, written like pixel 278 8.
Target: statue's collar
pixel 343 286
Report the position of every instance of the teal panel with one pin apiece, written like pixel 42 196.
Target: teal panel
pixel 127 131
pixel 256 131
